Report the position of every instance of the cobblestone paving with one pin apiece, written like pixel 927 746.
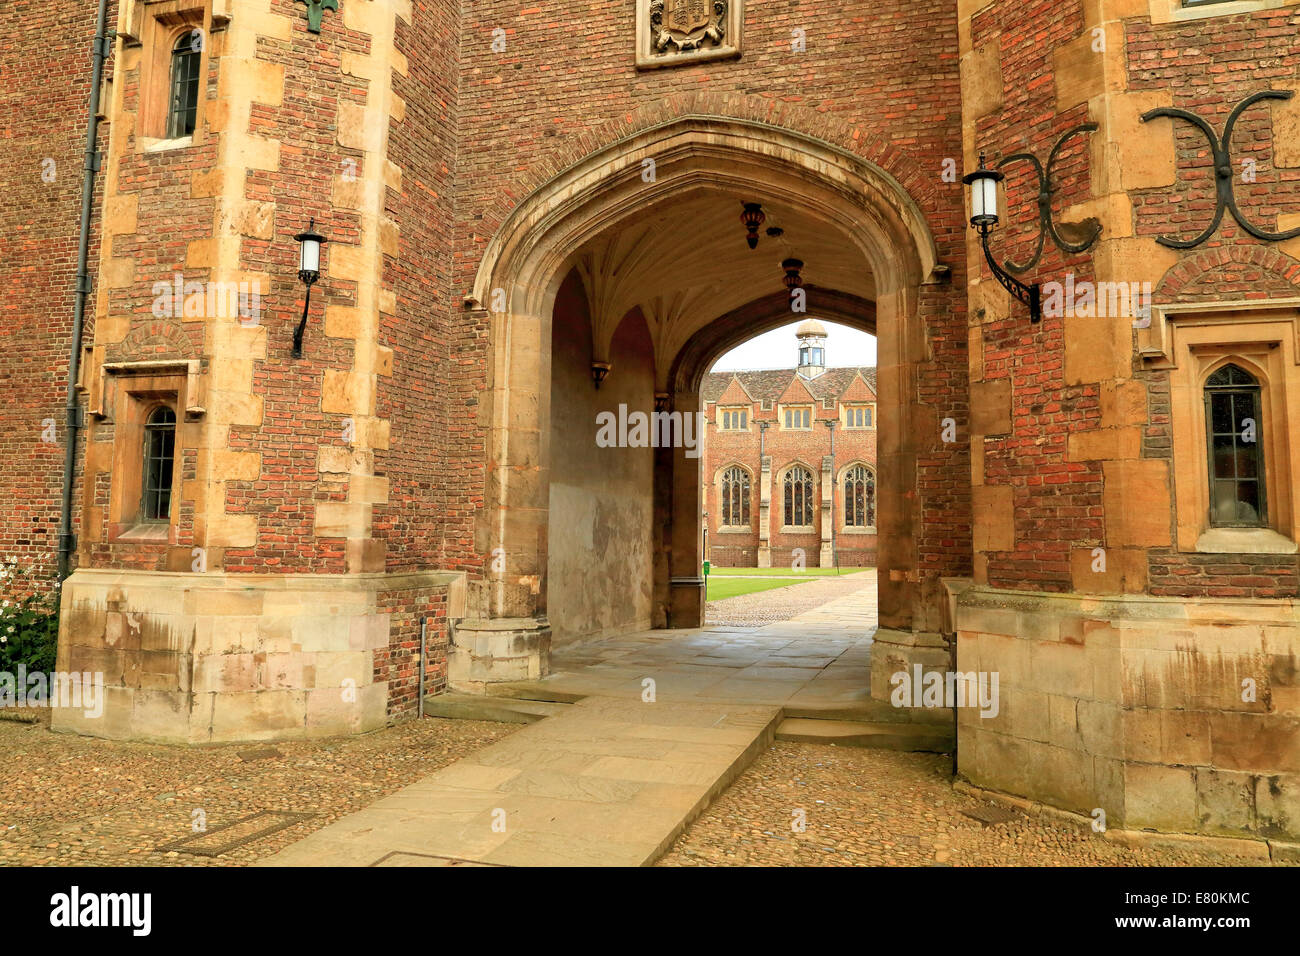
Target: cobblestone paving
pixel 880 807
pixel 781 604
pixel 71 801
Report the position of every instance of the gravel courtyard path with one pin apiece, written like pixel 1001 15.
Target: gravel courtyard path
pixel 780 604
pixel 74 801
pixel 880 807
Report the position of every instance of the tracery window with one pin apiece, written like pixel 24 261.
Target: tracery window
pixel 860 497
pixel 798 486
pixel 735 498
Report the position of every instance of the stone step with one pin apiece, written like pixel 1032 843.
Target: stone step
pixel 536 691
pixel 501 709
pixel 874 711
pixel 857 733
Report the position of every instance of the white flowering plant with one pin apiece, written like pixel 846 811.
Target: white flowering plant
pixel 29 618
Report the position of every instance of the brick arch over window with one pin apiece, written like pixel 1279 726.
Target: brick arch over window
pixel 1227 272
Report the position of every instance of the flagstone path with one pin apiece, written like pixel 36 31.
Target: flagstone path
pixel 616 777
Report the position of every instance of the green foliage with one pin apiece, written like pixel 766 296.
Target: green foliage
pixel 29 620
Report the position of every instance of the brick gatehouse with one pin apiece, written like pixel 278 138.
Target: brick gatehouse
pixel 534 216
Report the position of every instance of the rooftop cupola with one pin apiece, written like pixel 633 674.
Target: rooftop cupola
pixel 812 348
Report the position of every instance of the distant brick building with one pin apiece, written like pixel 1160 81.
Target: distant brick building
pixel 784 450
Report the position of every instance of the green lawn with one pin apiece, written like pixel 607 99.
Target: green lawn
pixel 779 572
pixel 721 588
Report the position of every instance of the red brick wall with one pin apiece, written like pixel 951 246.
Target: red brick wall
pixel 161 182
pixel 399 662
pixel 427 452
pixel 44 94
pixel 1208 65
pixel 293 426
pixel 1208 72
pixel 1056 501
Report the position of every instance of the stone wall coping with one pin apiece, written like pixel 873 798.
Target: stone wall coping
pixel 218 581
pixel 504 624
pixel 1125 606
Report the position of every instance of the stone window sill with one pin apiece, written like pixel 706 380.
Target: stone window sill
pixel 1244 541
pixel 162 145
pixel 798 529
pixel 741 529
pixel 147 532
pixel 854 529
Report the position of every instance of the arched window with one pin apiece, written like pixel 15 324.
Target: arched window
pixel 183 108
pixel 159 456
pixel 860 497
pixel 735 498
pixel 798 497
pixel 1232 417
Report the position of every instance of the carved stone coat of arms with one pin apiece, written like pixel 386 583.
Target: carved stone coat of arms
pixel 677 31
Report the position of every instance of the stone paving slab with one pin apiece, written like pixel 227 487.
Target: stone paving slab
pixel 608 782
pixel 818 658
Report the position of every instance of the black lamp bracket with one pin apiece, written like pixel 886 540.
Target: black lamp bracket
pixel 1030 295
pixel 1086 232
pixel 309 278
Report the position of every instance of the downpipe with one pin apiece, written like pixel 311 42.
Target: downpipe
pixel 72 409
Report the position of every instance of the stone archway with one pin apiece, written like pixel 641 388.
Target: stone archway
pixel 877 249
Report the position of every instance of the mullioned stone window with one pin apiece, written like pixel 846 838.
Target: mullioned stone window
pixel 735 498
pixel 797 487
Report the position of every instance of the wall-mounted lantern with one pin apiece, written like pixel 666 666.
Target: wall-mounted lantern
pixel 309 244
pixel 598 372
pixel 983 184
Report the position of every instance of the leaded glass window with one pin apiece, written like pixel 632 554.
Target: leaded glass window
pixel 735 498
pixel 1232 417
pixel 798 497
pixel 182 113
pixel 159 457
pixel 860 497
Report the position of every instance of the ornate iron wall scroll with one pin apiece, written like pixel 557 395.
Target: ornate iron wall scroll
pixel 1070 236
pixel 1222 170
